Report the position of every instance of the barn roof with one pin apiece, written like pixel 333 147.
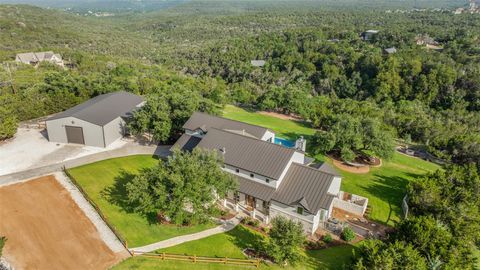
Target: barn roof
pixel 102 109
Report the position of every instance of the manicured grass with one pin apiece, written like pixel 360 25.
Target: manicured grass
pixel 385 186
pixel 287 129
pixel 105 181
pixel 230 245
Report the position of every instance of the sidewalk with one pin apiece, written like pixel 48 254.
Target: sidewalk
pixel 225 227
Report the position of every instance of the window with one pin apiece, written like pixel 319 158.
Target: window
pixel 237 170
pixel 252 175
pixel 300 210
pixel 267 180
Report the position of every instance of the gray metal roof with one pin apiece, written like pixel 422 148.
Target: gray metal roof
pixel 102 109
pixel 257 156
pixel 186 142
pixel 204 122
pixel 305 186
pixel 255 189
pixel 327 168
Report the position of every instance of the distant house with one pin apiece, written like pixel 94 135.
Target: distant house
pixel 257 63
pixel 428 42
pixel 391 50
pixel 369 34
pixel 274 180
pixel 97 122
pixel 34 58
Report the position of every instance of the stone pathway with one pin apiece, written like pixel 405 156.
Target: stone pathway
pixel 105 233
pixel 225 227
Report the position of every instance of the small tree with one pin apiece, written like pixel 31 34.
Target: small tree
pixel 286 240
pixel 348 234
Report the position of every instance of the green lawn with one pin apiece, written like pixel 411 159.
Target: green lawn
pixel 104 182
pixel 384 186
pixel 231 244
pixel 287 129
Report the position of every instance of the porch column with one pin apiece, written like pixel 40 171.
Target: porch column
pixel 254 212
pixel 267 219
pixel 236 207
pixel 225 202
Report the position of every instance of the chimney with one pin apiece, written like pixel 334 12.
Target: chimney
pixel 301 144
pixel 223 150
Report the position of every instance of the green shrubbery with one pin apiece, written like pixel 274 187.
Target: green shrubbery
pixel 348 234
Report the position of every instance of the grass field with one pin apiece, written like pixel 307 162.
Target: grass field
pixel 384 186
pixel 104 182
pixel 230 245
pixel 287 129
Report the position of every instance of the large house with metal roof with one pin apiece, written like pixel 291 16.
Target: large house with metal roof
pixel 273 179
pixel 97 122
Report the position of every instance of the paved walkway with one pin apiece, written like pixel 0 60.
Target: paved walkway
pixel 127 150
pixel 225 227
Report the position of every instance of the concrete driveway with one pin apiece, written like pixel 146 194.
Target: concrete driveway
pixel 30 149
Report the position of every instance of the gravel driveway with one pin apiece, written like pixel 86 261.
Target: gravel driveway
pixel 31 149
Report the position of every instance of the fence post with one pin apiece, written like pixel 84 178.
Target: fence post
pixel 194 258
pixel 258 263
pixel 163 255
pixel 225 260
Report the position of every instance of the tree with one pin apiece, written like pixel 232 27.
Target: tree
pixel 153 117
pixel 182 188
pixel 3 240
pixel 376 255
pixel 286 240
pixel 8 119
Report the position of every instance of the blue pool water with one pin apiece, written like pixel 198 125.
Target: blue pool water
pixel 284 142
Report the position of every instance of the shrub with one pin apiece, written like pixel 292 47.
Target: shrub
pixel 286 241
pixel 3 239
pixel 327 238
pixel 348 234
pixel 314 245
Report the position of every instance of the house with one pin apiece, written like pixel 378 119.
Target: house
pixel 391 50
pixel 34 58
pixel 428 42
pixel 97 122
pixel 369 34
pixel 257 63
pixel 274 180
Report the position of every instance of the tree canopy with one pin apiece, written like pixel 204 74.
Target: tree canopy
pixel 183 188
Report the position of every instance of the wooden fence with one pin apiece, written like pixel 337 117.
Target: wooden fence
pixel 198 259
pixel 95 206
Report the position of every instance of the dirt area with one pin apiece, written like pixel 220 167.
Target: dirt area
pixel 31 149
pixel 379 230
pixel 47 230
pixel 282 116
pixel 351 169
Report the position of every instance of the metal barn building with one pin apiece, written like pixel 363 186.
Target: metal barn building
pixel 97 122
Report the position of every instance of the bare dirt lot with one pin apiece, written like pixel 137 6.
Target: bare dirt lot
pixel 47 230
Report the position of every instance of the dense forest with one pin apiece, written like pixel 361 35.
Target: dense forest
pixel 316 65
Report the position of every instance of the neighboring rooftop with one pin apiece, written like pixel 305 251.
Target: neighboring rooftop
pixel 305 186
pixel 205 122
pixel 391 50
pixel 37 56
pixel 327 168
pixel 258 63
pixel 102 109
pixel 261 157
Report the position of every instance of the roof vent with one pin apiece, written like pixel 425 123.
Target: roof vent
pixel 223 150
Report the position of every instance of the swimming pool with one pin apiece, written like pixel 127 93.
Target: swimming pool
pixel 284 142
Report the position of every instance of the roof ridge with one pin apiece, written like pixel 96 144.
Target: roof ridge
pixel 311 168
pixel 233 120
pixel 255 139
